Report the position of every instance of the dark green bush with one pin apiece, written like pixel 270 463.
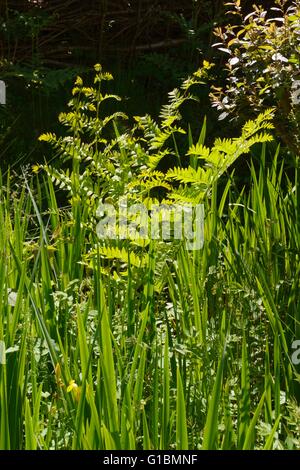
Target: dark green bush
pixel 263 66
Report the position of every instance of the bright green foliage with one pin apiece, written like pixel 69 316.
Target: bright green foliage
pixel 127 345
pixel 107 164
pixel 203 361
pixel 106 167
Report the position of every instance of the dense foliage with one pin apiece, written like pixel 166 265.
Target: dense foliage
pixel 149 343
pixel 263 66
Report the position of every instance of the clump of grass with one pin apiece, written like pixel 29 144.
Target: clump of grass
pixel 90 361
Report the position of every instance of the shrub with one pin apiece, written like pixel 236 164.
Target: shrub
pixel 263 67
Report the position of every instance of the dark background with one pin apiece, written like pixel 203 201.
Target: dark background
pixel 148 45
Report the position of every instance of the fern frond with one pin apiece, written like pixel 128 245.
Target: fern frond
pixel 122 254
pixel 187 195
pixel 114 117
pixel 48 137
pixel 189 175
pixel 59 177
pixel 109 96
pixel 199 151
pixel 154 160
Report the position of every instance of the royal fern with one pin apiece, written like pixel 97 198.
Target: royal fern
pixel 108 163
